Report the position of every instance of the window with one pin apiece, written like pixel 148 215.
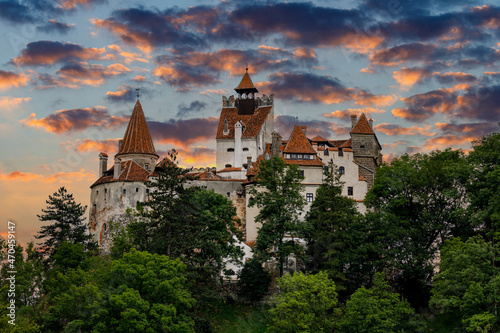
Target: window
pixel 230 149
pixel 327 151
pixel 136 189
pixel 350 190
pixel 105 190
pixel 362 146
pixel 309 197
pixel 245 149
pixel 96 192
pixel 294 156
pixel 147 191
pixel 341 153
pixel 228 165
pixel 341 170
pixel 124 191
pixel 302 173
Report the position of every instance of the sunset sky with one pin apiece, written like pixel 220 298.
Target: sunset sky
pixel 426 71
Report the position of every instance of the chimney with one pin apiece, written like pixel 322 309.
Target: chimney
pixel 118 168
pixel 226 127
pixel 103 163
pixel 354 120
pixel 249 162
pixel 120 145
pixel 276 144
pixel 238 130
pixel 370 122
pixel 209 173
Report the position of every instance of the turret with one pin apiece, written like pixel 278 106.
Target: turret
pixel 245 103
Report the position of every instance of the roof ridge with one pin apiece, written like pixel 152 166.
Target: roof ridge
pixel 298 142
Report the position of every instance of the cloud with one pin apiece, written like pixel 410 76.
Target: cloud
pixel 196 106
pixel 408 77
pixel 11 79
pixel 215 92
pixel 9 103
pixel 456 77
pixel 204 68
pixel 400 54
pixel 346 114
pixel 43 53
pixel 468 129
pixel 185 132
pixel 395 144
pixel 285 124
pixel 18 175
pixel 307 87
pixel 84 145
pixel 73 75
pixel 443 142
pixel 56 177
pixel 125 94
pixel 128 57
pixel 63 121
pixel 422 106
pixel 480 103
pixel 393 129
pixel 139 78
pixel 56 26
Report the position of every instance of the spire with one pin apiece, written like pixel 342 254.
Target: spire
pixel 246 84
pixel 137 139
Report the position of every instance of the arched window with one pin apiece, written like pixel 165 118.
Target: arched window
pixel 341 170
pixel 230 150
pixel 245 149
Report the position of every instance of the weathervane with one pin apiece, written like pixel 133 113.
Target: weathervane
pixel 137 90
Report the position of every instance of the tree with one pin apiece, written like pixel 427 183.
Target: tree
pixel 327 227
pixel 253 281
pixel 468 283
pixel 377 310
pixel 67 224
pixel 141 292
pixel 306 303
pixel 484 185
pixel 421 201
pixel 278 196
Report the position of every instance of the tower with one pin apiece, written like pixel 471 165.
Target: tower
pixel 366 148
pixel 245 103
pixel 123 185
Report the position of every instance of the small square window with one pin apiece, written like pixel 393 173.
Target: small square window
pixel 124 191
pixel 309 197
pixel 147 191
pixel 350 190
pixel 341 170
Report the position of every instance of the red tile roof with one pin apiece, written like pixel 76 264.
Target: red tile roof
pixel 315 162
pixel 298 143
pixel 229 169
pixel 361 178
pixel 137 139
pixel 130 172
pixel 362 126
pixel 246 83
pixel 253 123
pixel 346 144
pixel 319 138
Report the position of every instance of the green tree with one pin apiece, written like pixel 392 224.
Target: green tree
pixel 328 227
pixel 306 303
pixel 377 310
pixel 67 224
pixel 484 185
pixel 253 281
pixel 278 196
pixel 421 201
pixel 468 283
pixel 141 292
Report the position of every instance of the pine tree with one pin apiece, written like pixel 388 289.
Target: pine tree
pixel 67 224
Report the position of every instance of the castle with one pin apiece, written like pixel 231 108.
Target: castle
pixel 245 135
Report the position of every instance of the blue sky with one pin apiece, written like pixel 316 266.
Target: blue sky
pixel 427 72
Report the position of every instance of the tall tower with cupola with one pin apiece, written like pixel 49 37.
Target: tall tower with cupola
pixel 245 126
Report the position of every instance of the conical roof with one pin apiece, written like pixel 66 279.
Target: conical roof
pixel 246 84
pixel 298 142
pixel 362 126
pixel 137 139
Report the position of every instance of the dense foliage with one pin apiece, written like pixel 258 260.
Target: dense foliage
pixel 278 196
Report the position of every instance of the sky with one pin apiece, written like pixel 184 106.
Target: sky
pixel 426 71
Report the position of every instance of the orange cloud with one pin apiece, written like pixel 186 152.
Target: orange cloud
pixel 91 75
pixel 215 92
pixel 141 41
pixel 63 121
pixel 391 129
pixel 18 175
pixel 198 156
pixel 395 144
pixel 304 52
pixel 11 79
pixel 139 78
pixel 8 103
pixel 128 57
pixel 400 54
pixel 109 145
pixel 408 77
pixel 444 142
pixel 346 114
